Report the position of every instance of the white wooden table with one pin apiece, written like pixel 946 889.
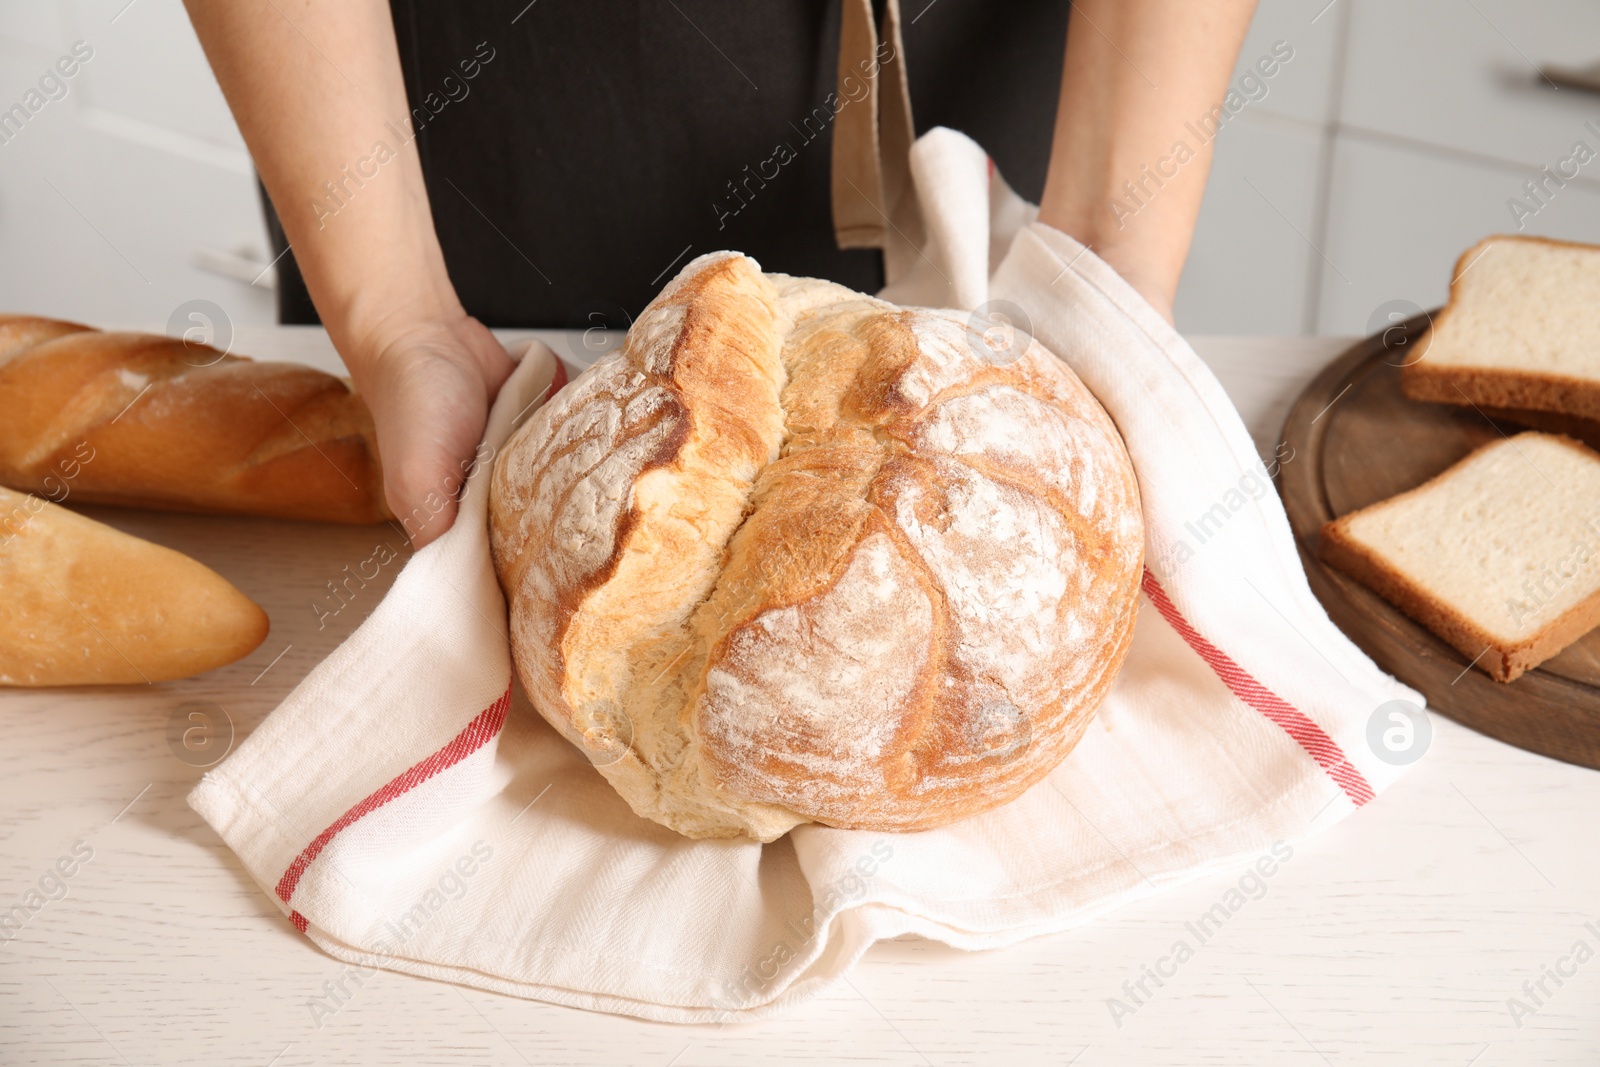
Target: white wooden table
pixel 1395 938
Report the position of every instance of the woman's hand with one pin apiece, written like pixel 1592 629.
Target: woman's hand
pixel 429 386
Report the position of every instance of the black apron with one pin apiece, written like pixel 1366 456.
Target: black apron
pixel 577 153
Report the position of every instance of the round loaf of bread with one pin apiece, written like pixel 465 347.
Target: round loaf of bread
pixel 794 554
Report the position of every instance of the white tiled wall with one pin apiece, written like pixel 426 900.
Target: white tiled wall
pixel 1412 122
pixel 1385 147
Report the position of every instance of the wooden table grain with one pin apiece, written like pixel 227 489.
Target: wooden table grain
pixel 1455 921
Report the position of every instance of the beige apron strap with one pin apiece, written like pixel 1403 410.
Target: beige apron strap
pixel 904 239
pixel 874 198
pixel 858 215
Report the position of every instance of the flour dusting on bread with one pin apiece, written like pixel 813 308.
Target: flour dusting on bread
pixel 815 555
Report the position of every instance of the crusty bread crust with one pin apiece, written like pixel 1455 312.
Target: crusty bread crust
pixel 1488 387
pixel 1501 660
pixel 180 427
pixel 1496 387
pixel 1551 422
pixel 609 511
pixel 796 554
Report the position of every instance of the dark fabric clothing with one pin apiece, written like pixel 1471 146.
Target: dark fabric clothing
pixel 578 152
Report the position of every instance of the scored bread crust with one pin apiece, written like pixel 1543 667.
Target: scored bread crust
pixel 1501 659
pixel 796 554
pixel 1497 387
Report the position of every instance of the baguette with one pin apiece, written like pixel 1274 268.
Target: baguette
pixel 1521 330
pixel 88 605
pixel 1499 555
pixel 149 421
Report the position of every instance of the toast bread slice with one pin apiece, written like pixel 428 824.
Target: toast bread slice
pixel 1499 555
pixel 1521 330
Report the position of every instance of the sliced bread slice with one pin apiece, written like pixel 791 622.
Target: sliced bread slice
pixel 1521 330
pixel 1499 555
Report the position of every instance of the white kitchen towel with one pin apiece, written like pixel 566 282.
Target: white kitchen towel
pixel 408 809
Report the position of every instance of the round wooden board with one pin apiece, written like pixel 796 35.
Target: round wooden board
pixel 1356 441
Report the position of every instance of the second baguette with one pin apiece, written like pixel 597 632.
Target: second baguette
pixel 85 604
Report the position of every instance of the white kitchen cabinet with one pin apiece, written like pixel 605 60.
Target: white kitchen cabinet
pixel 1401 217
pixel 1248 272
pixel 110 195
pixel 1460 75
pixel 149 67
pixel 1428 116
pixel 1304 87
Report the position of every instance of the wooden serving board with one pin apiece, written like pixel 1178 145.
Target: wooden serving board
pixel 1356 441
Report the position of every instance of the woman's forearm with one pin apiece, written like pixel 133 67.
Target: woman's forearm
pixel 317 91
pixel 1136 72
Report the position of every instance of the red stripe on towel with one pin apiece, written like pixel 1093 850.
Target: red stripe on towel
pixel 1311 737
pixel 479 732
